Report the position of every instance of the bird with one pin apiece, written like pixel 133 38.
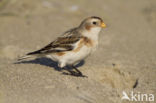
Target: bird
pixel 72 46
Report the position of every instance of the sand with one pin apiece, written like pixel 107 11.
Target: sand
pixel 125 59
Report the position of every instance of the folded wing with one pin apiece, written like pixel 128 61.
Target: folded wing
pixel 63 43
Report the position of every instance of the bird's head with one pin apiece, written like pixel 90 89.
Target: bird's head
pixel 92 24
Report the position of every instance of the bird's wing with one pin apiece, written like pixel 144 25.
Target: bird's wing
pixel 63 43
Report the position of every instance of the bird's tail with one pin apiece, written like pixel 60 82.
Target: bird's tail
pixel 25 57
pixel 30 55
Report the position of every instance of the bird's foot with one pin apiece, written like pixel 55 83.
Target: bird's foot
pixel 72 73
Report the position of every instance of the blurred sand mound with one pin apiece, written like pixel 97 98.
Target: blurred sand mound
pixel 113 77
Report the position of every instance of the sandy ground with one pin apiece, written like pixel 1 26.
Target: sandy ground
pixel 126 53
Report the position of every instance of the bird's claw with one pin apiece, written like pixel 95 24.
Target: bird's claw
pixel 75 74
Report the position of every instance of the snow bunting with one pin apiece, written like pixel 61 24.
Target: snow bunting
pixel 73 46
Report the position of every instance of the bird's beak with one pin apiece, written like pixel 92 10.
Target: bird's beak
pixel 103 25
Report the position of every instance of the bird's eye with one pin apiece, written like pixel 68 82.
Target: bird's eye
pixel 94 23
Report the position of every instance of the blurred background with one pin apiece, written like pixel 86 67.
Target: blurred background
pixel 126 54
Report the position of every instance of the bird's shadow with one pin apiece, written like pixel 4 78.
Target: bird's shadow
pixel 47 62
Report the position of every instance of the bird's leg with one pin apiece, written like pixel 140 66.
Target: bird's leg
pixel 71 72
pixel 74 73
pixel 79 73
